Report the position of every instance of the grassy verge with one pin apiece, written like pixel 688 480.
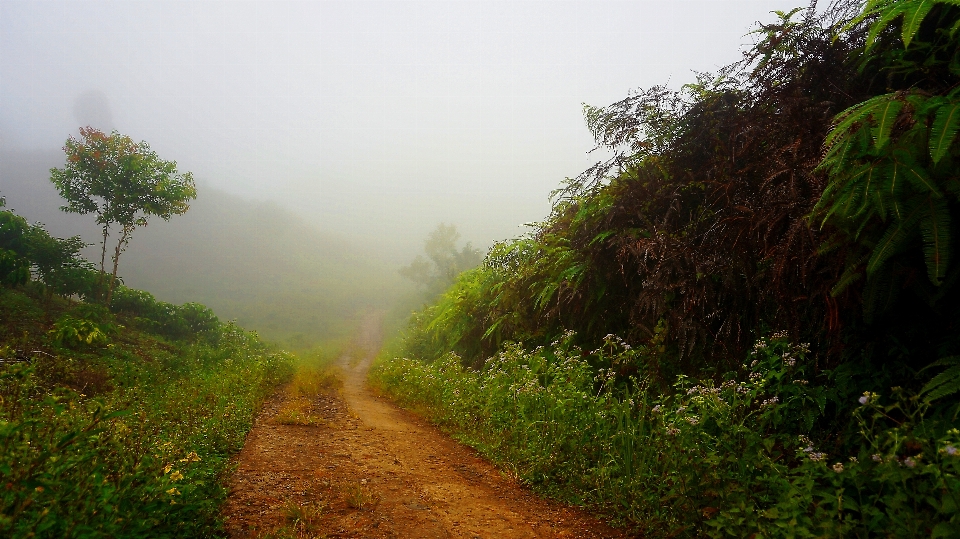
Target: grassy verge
pixel 733 458
pixel 110 431
pixel 314 374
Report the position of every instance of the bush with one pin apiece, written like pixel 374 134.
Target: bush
pixel 144 460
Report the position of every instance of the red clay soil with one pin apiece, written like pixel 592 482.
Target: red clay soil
pixel 377 471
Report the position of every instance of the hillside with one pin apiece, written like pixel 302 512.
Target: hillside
pixel 254 262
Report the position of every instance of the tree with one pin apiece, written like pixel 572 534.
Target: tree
pixel 446 262
pixel 123 182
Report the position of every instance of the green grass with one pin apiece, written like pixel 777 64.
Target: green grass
pixel 128 436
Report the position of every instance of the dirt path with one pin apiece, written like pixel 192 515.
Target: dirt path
pixel 376 471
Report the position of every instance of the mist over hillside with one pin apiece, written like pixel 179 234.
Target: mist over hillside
pixel 255 262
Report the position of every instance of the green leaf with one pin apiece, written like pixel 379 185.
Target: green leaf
pixel 944 130
pixel 944 384
pixel 892 241
pixel 887 13
pixel 884 118
pixel 905 169
pixel 913 15
pixel 935 229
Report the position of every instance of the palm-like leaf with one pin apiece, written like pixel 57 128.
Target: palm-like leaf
pixel 935 228
pixel 946 383
pixel 944 130
pixel 913 14
pixel 894 239
pixel 884 117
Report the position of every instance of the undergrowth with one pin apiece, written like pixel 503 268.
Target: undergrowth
pixel 736 458
pixel 106 431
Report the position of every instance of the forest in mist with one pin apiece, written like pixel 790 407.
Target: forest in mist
pixel 251 261
pixel 739 318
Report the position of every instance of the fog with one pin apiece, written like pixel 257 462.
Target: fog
pixel 371 120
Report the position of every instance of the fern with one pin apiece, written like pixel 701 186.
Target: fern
pixel 935 228
pixel 887 11
pixel 944 384
pixel 944 130
pixel 893 240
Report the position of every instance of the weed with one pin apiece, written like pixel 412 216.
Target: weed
pixel 359 497
pixel 307 384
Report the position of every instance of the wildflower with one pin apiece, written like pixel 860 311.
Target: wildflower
pixel 817 456
pixel 191 457
pixel 656 409
pixel 693 420
pixel 173 491
pixel 876 458
pixel 167 468
pixel 950 450
pixel 672 431
pixel 692 390
pixel 753 363
pixel 909 462
pixel 867 397
pixel 176 475
pixel 838 467
pixel 854 460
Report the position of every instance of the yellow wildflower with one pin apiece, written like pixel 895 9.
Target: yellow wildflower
pixel 173 492
pixel 176 475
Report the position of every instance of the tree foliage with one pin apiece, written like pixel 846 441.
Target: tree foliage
pixel 696 236
pixel 444 262
pixel 123 183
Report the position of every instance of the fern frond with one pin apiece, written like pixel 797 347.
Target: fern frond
pixel 879 294
pixel 907 169
pixel 892 241
pixel 850 275
pixel 944 130
pixel 884 118
pixel 845 122
pixel 885 10
pixel 913 14
pixel 944 384
pixel 935 229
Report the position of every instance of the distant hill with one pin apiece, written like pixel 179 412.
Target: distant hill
pixel 254 262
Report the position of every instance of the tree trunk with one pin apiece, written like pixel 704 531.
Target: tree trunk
pixel 103 262
pixel 124 238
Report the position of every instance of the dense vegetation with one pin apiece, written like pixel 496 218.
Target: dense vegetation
pixel 119 421
pixel 745 323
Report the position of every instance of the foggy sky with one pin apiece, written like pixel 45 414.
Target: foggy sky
pixel 377 118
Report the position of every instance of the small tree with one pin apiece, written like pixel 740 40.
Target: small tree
pixel 446 262
pixel 124 183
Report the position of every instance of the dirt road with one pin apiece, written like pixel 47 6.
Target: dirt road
pixel 375 471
